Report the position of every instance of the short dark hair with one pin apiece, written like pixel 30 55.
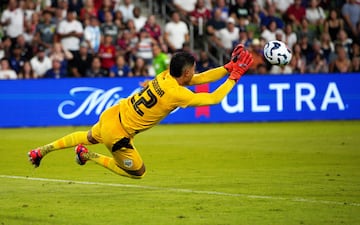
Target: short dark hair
pixel 179 62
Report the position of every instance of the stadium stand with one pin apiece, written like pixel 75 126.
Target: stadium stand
pixel 324 35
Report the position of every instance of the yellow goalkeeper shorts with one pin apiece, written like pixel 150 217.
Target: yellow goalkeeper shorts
pixel 109 131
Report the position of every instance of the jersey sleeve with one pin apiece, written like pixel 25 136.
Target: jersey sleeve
pixel 184 97
pixel 209 76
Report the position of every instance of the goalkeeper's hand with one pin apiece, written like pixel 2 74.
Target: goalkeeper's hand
pixel 234 57
pixel 242 64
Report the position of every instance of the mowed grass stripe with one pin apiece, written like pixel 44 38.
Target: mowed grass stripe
pixel 180 190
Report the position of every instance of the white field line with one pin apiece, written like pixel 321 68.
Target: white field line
pixel 180 190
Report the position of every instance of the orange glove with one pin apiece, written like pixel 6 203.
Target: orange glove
pixel 243 63
pixel 234 56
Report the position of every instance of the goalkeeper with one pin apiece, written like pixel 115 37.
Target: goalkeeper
pixel 119 124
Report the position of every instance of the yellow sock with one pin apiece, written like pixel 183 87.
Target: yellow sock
pixel 108 163
pixel 70 140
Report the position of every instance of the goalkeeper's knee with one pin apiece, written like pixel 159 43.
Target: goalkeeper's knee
pixel 137 174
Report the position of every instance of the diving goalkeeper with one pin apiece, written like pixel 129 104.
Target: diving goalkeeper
pixel 118 125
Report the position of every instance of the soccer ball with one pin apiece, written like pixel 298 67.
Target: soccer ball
pixel 277 53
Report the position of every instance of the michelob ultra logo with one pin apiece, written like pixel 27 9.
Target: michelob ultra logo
pixel 94 100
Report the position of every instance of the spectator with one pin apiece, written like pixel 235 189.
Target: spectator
pixel 341 64
pixel 256 17
pixel 126 45
pixel 327 46
pixel 81 62
pixel 315 14
pixel 305 31
pixel 96 70
pixel 342 39
pixel 176 33
pixel 270 17
pixel 306 48
pixel 5 47
pixel 355 56
pixel 59 15
pixel 258 55
pixel 119 20
pixel 184 7
pixel 333 24
pixel 144 47
pixel 139 20
pixel 106 7
pixel 130 25
pixel 6 73
pixel 12 20
pixel 269 34
pixel 186 48
pixel 355 50
pixel 92 35
pixel 29 33
pixel 298 61
pixel 357 38
pixel 296 13
pixel 355 65
pixel 70 31
pixel 126 10
pixel 227 35
pixel 282 5
pixel 316 49
pixel 161 60
pixel 318 65
pixel 290 37
pixel 108 27
pixel 199 17
pixel 204 63
pixel 76 6
pixel 29 10
pixel 98 4
pixel 351 14
pixel 35 20
pixel 261 69
pixel 88 11
pixel 154 29
pixel 121 68
pixel 279 35
pixel 223 8
pixel 62 10
pixel 26 48
pixel 57 71
pixel 281 70
pixel 243 38
pixel 107 53
pixel 16 61
pixel 140 69
pixel 241 9
pixel 40 62
pixel 215 23
pixel 26 71
pixel 61 54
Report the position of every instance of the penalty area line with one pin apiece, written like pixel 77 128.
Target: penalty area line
pixel 181 190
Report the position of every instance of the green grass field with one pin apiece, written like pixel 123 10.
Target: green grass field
pixel 208 174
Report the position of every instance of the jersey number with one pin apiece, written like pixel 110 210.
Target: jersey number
pixel 147 103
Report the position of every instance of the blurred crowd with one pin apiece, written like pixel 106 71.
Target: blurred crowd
pixel 120 38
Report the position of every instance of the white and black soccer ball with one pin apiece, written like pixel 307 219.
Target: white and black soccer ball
pixel 277 53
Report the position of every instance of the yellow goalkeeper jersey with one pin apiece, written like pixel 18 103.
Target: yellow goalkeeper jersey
pixel 163 94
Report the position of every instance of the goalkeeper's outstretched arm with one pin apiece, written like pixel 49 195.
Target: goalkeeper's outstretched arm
pixel 240 66
pixel 209 76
